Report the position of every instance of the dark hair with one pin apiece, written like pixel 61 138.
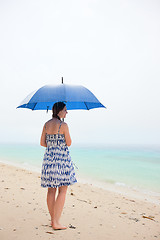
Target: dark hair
pixel 57 107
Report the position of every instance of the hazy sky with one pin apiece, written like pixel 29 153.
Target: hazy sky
pixel 111 47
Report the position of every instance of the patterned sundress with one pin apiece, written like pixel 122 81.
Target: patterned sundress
pixel 57 166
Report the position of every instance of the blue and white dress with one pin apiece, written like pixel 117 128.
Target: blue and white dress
pixel 57 166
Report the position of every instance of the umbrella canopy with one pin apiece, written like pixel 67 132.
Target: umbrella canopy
pixel 75 97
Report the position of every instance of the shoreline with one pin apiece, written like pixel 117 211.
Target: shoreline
pixel 130 171
pixel 95 213
pixel 141 194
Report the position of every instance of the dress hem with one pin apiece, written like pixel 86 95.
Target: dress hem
pixel 60 185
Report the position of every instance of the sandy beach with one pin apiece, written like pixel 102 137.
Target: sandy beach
pixel 89 212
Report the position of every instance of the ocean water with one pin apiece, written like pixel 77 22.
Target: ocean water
pixel 134 167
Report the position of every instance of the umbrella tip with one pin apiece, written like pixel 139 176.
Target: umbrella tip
pixel 62 80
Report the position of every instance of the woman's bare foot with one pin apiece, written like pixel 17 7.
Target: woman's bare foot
pixel 58 226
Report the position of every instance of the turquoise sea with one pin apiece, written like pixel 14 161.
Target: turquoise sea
pixel 133 167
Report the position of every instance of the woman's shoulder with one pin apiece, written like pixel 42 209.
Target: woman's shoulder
pixel 52 120
pixel 64 124
pixel 48 122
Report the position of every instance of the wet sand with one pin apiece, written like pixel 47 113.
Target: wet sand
pixel 89 212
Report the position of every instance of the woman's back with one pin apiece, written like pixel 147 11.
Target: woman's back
pixel 54 126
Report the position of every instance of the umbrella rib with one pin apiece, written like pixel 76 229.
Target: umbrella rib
pixel 34 106
pixel 86 105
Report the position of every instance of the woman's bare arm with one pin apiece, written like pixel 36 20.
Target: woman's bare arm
pixel 43 138
pixel 67 135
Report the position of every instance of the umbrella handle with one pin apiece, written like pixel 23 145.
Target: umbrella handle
pixel 47 109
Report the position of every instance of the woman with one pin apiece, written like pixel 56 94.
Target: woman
pixel 57 168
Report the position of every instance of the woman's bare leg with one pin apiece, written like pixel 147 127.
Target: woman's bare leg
pixel 51 201
pixel 58 207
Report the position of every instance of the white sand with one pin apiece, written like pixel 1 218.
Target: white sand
pixel 96 213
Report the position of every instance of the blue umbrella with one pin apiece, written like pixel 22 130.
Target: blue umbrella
pixel 75 97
